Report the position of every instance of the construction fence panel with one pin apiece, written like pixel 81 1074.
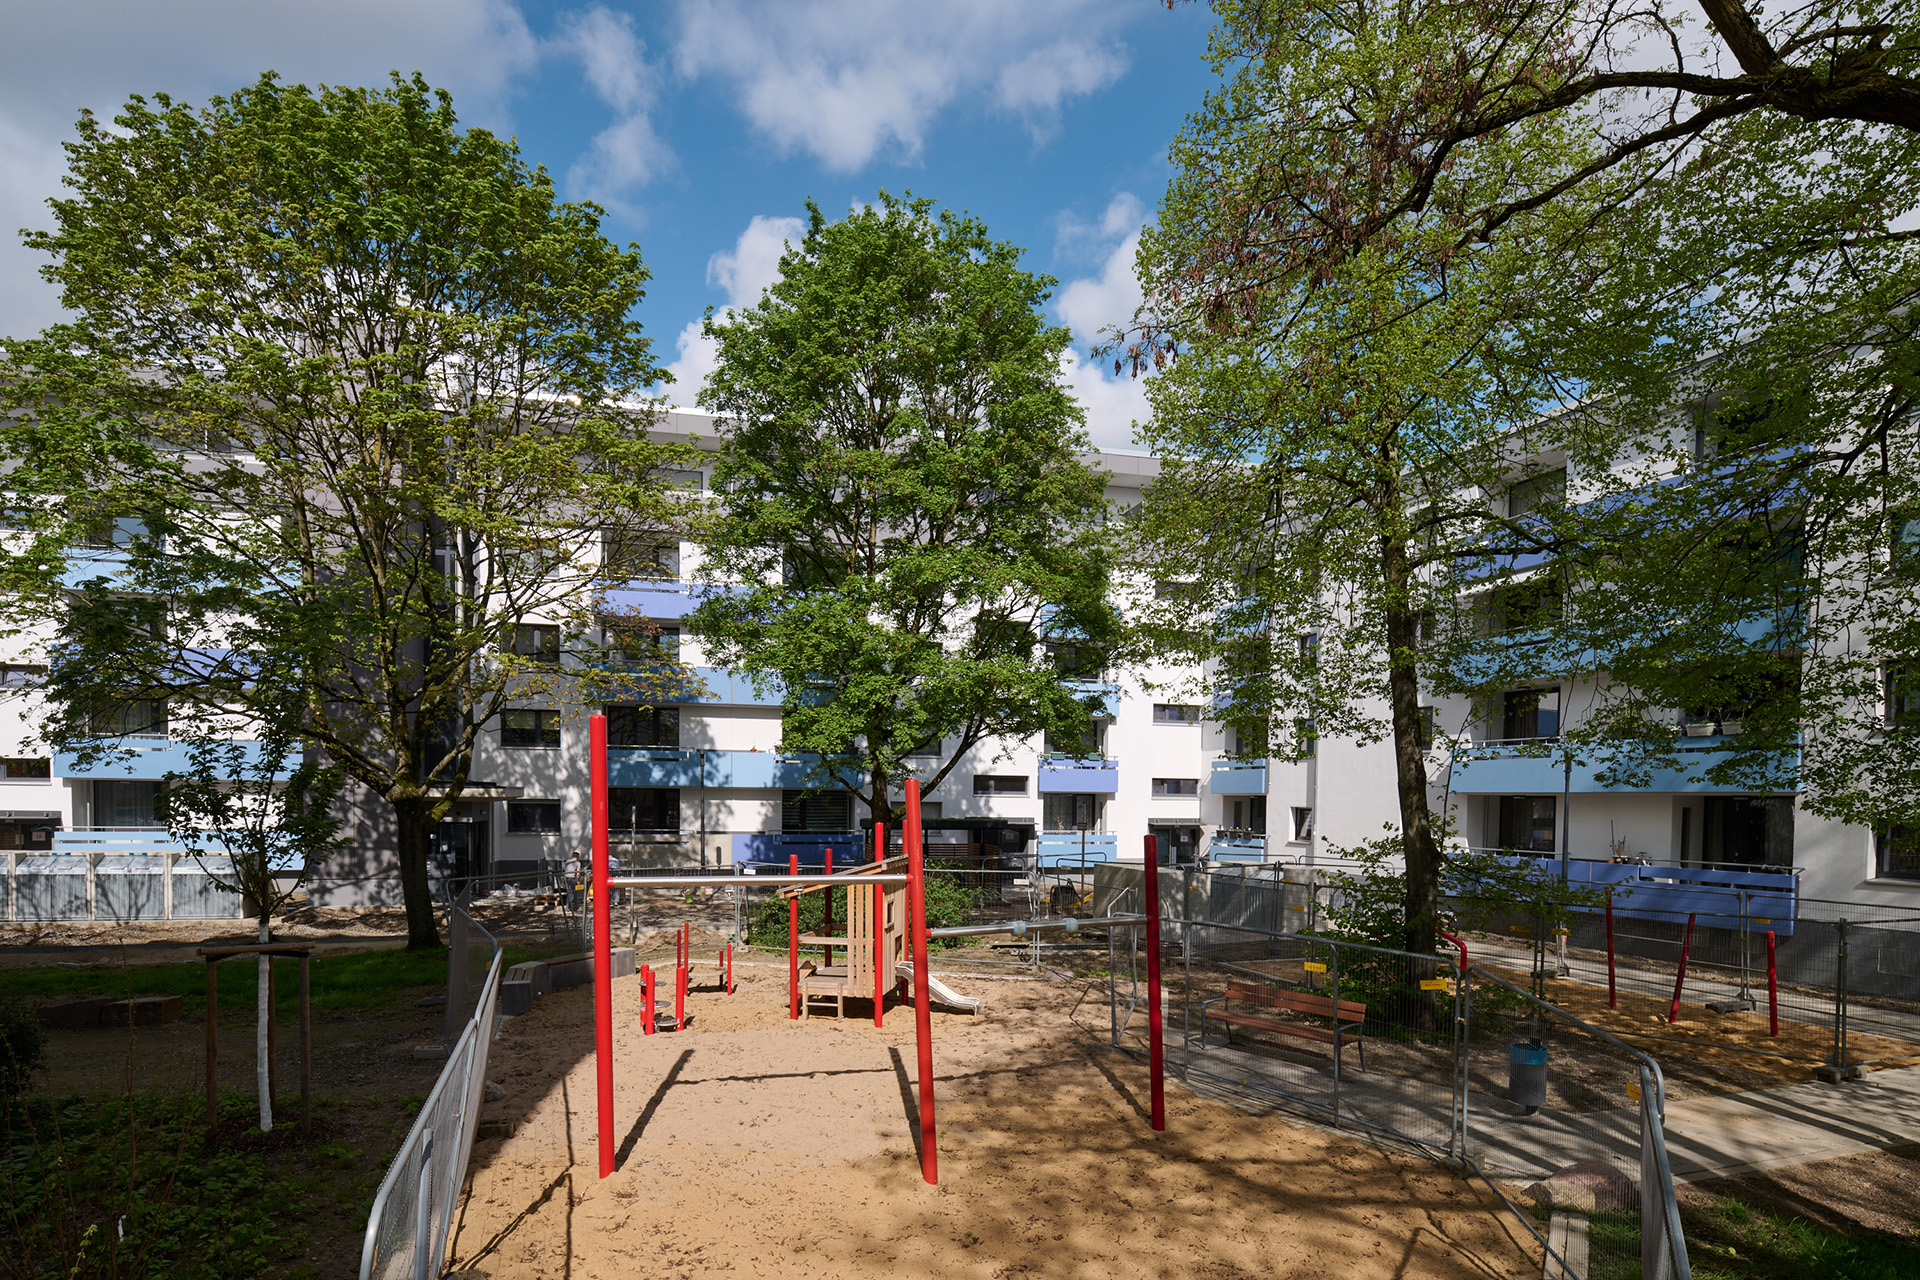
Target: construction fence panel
pixel 406 1234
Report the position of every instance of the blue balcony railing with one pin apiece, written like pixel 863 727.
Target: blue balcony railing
pixel 1063 774
pixel 1239 778
pixel 1534 768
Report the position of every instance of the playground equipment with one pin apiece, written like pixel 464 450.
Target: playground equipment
pixel 914 920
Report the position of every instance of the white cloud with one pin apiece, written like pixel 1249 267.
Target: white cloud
pixel 1094 303
pixel 629 152
pixel 58 58
pixel 1091 304
pixel 848 79
pixel 742 273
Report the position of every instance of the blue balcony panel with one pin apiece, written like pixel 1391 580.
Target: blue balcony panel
pixel 1493 770
pixel 1101 776
pixel 1711 895
pixel 1237 849
pixel 661 600
pixel 151 760
pixel 1238 778
pixel 686 767
pixel 1070 849
pixel 769 850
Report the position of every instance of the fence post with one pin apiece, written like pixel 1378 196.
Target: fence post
pixel 1156 1043
pixel 1680 976
pixel 1613 996
pixel 1773 991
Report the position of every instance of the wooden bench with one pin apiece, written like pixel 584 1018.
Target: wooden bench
pixel 1345 1019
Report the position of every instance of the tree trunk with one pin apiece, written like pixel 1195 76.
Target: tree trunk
pixel 1420 908
pixel 414 830
pixel 263 1009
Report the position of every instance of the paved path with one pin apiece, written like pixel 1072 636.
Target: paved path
pixel 1706 1137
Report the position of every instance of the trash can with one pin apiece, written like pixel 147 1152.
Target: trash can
pixel 1527 1074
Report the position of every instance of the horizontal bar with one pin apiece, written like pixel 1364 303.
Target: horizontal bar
pixel 750 882
pixel 1022 926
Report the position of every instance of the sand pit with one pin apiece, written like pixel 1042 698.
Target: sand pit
pixel 755 1146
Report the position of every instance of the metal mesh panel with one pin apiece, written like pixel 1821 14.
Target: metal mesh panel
pixel 50 888
pixel 406 1234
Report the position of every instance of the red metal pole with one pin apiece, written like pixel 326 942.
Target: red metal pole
pixel 1463 949
pixel 1686 945
pixel 602 937
pixel 880 956
pixel 793 943
pixel 680 998
pixel 826 929
pixel 646 998
pixel 1773 991
pixel 1156 1039
pixel 729 968
pixel 922 1013
pixel 1613 997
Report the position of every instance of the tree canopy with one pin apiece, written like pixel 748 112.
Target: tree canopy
pixel 344 390
pixel 905 520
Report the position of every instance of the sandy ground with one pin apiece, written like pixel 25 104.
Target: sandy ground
pixel 754 1146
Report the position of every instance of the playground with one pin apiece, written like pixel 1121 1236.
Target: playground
pixel 752 1144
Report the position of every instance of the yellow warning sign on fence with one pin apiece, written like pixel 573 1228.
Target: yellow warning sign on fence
pixel 1299 906
pixel 1434 984
pixel 1633 1091
pixel 1314 966
pixel 1762 920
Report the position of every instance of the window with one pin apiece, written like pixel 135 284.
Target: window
pixel 1249 815
pixel 1529 713
pixel 1536 491
pixel 1306 738
pixel 1302 823
pixel 1903 695
pixel 26 767
pixel 108 533
pixel 1426 727
pixel 680 478
pixel 1075 661
pixel 1175 713
pixel 137 718
pixel 539 728
pixel 1062 812
pixel 1176 786
pixel 999 784
pixel 537 642
pixel 637 641
pixel 655 809
pixel 1897 853
pixel 125 804
pixel 1174 589
pixel 1749 831
pixel 1526 606
pixel 628 555
pixel 1903 541
pixel 1084 746
pixel 1733 426
pixel 1529 824
pixel 816 811
pixel 22 675
pixel 643 726
pixel 533 817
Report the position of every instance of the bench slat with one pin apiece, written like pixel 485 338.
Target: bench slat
pixel 1301 1029
pixel 1297 1001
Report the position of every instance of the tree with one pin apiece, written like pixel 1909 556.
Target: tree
pixel 344 389
pixel 906 541
pixel 273 818
pixel 1331 431
pixel 1730 340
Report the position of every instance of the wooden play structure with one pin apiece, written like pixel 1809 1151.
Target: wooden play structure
pixel 873 946
pixel 651 1019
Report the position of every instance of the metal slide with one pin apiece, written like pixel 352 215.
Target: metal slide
pixel 939 991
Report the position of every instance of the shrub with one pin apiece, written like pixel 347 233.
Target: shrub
pixel 23 1048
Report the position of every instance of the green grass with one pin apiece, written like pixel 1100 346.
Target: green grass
pixel 351 981
pixel 1731 1240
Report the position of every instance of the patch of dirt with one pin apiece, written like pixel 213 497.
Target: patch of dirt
pixel 758 1146
pixel 1875 1192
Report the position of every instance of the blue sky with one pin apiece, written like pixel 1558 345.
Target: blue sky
pixel 702 125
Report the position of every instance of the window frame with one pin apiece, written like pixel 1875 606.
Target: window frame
pixel 994 790
pixel 1163 713
pixel 1190 788
pixel 546 727
pixel 515 807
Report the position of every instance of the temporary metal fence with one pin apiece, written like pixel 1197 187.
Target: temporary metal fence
pixel 406 1236
pixel 1411 1047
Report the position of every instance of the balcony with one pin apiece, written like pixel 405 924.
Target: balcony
pixel 1530 767
pixel 1239 778
pixel 1228 845
pixel 1071 848
pixel 151 760
pixel 1066 774
pixel 693 767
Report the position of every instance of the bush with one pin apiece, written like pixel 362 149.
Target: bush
pixel 951 900
pixel 23 1048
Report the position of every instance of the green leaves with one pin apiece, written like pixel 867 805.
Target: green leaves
pixel 903 511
